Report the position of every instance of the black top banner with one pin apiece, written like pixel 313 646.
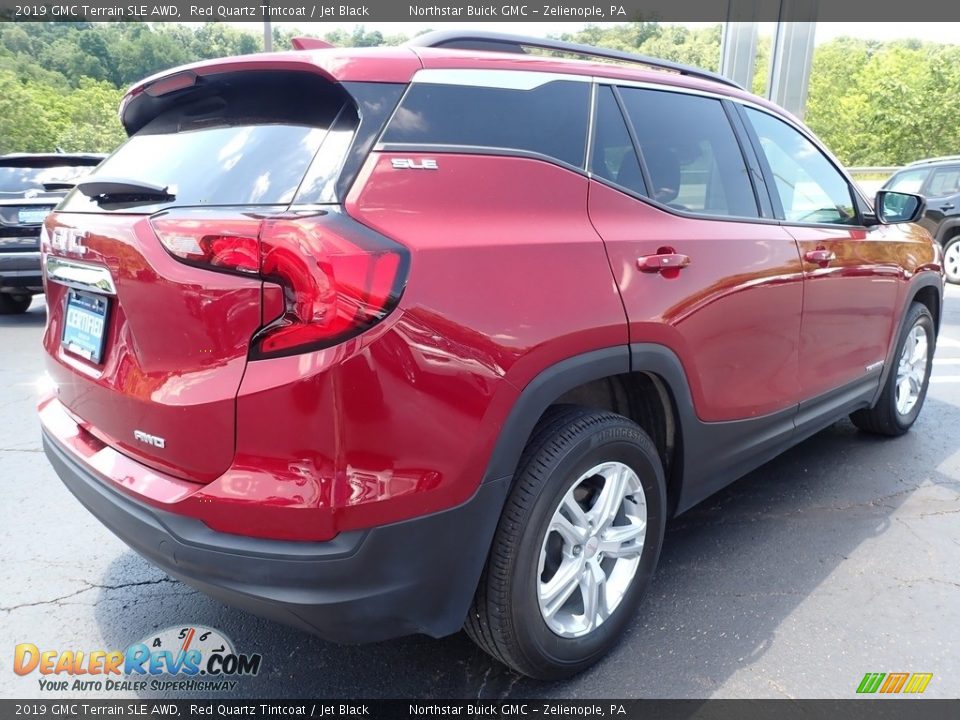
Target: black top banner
pixel 580 11
pixel 229 709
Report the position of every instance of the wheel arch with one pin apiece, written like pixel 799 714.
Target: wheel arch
pixel 644 382
pixel 540 393
pixel 948 229
pixel 926 288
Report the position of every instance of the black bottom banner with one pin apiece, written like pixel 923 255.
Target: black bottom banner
pixel 853 709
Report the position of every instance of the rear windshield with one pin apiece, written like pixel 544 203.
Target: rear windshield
pixel 238 165
pixel 15 180
pixel 243 144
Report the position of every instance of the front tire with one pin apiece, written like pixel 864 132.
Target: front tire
pixel 14 304
pixel 907 382
pixel 951 260
pixel 576 546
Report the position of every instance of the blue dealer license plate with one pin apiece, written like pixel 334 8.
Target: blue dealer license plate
pixel 85 325
pixel 33 217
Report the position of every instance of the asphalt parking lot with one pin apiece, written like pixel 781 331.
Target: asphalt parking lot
pixel 839 558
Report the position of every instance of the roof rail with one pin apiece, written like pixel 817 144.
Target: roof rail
pixel 503 42
pixel 929 161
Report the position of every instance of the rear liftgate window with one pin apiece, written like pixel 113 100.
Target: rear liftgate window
pixel 240 139
pixel 549 120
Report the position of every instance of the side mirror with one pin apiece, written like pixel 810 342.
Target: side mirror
pixel 898 207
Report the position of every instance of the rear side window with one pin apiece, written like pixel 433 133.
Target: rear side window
pixel 908 181
pixel 249 142
pixel 547 120
pixel 691 153
pixel 945 181
pixel 614 157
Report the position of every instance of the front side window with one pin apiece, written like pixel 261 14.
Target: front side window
pixel 810 188
pixel 945 181
pixel 549 120
pixel 691 153
pixel 909 181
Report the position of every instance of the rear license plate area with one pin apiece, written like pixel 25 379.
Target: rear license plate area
pixel 32 217
pixel 85 325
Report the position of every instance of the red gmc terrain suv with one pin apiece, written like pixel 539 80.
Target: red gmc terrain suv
pixel 403 340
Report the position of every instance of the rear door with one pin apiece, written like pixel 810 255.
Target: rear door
pixel 942 191
pixel 147 344
pixel 699 267
pixel 852 273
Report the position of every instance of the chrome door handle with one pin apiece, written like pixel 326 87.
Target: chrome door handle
pixel 662 261
pixel 820 255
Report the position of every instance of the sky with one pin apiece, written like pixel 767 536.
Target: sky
pixel 930 31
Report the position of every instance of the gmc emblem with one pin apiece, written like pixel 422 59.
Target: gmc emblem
pixel 67 239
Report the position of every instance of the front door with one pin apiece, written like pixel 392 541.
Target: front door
pixel 852 273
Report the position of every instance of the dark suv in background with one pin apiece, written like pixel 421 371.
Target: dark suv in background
pixel 938 180
pixel 31 185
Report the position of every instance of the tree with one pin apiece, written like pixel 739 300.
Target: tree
pixel 871 103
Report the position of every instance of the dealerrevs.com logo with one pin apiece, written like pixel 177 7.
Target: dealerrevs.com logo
pixel 177 658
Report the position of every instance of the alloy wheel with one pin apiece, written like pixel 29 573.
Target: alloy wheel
pixel 912 369
pixel 591 550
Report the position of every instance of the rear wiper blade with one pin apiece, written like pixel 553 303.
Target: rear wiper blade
pixel 121 190
pixel 55 185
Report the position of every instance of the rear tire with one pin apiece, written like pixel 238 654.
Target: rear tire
pixel 609 468
pixel 14 304
pixel 907 381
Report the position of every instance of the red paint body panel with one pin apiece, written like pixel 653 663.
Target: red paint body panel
pixel 505 246
pixel 369 427
pixel 175 350
pixel 732 315
pixel 852 303
pixel 361 434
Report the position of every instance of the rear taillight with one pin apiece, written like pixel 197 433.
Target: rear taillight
pixel 338 277
pixel 230 245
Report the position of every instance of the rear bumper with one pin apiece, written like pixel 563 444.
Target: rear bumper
pixel 416 576
pixel 21 270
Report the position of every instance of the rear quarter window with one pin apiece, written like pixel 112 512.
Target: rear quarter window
pixel 548 120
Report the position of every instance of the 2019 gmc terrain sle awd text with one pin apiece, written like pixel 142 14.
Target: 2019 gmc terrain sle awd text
pixel 403 340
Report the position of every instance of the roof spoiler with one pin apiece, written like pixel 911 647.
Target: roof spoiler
pixel 309 43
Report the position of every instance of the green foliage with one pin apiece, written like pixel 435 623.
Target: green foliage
pixel 61 83
pixel 885 104
pixel 37 117
pixel 871 103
